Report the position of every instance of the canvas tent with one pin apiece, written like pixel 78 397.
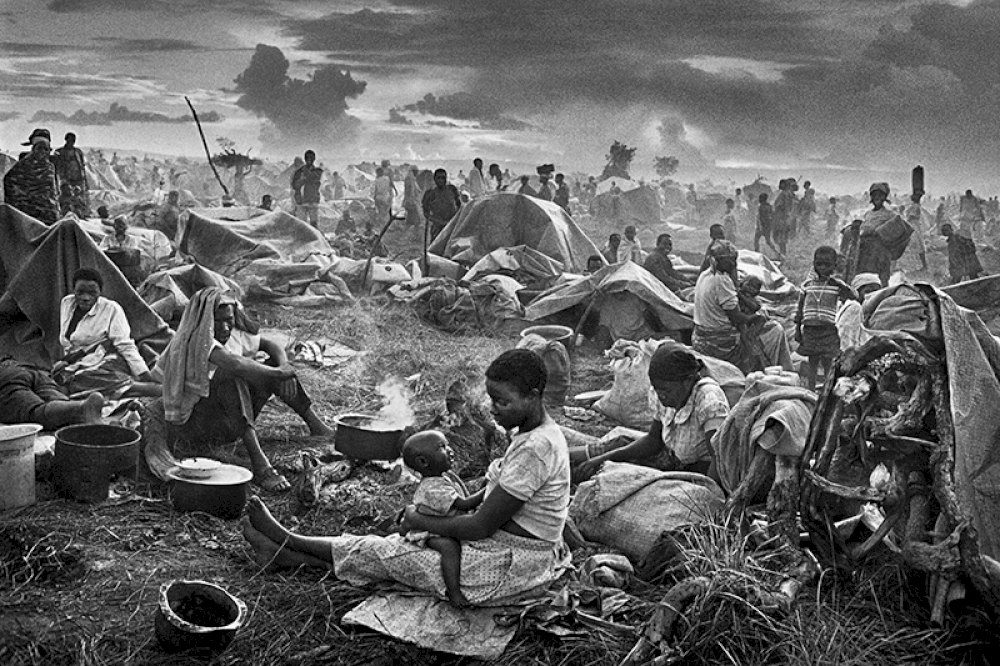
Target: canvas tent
pixel 635 205
pixel 528 266
pixel 37 263
pixel 508 220
pixel 626 290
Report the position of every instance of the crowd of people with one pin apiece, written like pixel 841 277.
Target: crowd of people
pixel 208 386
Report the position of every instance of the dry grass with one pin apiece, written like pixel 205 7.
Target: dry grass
pixel 78 583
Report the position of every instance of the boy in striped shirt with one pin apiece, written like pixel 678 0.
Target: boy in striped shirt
pixel 815 320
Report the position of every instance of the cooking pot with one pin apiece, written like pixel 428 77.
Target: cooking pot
pixel 194 614
pixel 355 439
pixel 222 493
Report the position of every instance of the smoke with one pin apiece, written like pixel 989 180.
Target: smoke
pixel 299 110
pixel 396 412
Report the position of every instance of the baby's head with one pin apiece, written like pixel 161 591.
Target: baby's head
pixel 751 286
pixel 428 453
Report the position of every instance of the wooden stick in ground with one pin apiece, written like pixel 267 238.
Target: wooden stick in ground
pixel 208 154
pixel 375 244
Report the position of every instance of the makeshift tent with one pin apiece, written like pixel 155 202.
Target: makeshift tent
pixel 168 292
pixel 508 220
pixel 624 288
pixel 153 245
pixel 528 266
pixel 37 263
pixel 229 246
pixel 635 205
pixel 777 287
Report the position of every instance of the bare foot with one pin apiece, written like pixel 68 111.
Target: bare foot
pixel 267 553
pixel 457 599
pixel 91 408
pixel 264 523
pixel 272 481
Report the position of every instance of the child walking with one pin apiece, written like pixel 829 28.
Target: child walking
pixel 765 220
pixel 440 493
pixel 815 320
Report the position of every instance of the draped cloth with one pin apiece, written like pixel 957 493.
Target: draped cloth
pixel 184 363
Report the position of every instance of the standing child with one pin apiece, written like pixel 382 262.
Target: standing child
pixel 716 233
pixel 765 218
pixel 963 262
pixel 832 219
pixel 815 321
pixel 440 493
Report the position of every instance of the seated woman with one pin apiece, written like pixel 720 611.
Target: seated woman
pixel 718 319
pixel 213 389
pixel 511 545
pixel 692 407
pixel 98 351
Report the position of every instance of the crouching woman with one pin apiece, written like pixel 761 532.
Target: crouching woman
pixel 511 546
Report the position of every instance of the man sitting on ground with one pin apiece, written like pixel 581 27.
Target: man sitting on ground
pixel 659 264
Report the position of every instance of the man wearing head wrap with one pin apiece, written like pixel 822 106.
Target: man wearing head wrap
pixel 213 389
pixel 718 319
pixel 880 241
pixel 31 185
pixel 690 408
pixel 849 316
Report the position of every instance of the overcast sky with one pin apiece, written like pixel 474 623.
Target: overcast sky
pixel 842 91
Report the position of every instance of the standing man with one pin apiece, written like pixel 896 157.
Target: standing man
pixel 383 191
pixel 305 189
pixel 544 173
pixel 477 181
pixel 782 223
pixel 807 206
pixel 561 197
pixel 30 185
pixel 914 217
pixel 411 198
pixel 440 203
pixel 970 216
pixel 71 170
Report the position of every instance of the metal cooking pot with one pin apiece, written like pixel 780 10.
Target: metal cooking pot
pixel 355 440
pixel 222 493
pixel 195 614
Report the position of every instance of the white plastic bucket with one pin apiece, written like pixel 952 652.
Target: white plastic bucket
pixel 17 465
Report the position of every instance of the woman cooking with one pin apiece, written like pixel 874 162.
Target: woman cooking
pixel 511 545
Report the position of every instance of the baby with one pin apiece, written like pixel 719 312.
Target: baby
pixel 440 493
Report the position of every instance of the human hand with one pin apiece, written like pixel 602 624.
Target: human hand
pixel 589 468
pixel 410 519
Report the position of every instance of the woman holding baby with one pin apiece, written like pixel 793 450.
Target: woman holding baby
pixel 510 546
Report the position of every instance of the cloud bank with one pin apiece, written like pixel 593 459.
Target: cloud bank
pixel 118 113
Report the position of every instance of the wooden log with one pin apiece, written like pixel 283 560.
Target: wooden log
pixel 783 500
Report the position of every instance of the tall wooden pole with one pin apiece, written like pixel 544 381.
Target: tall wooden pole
pixel 208 154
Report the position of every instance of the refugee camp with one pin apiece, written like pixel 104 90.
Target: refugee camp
pixel 420 332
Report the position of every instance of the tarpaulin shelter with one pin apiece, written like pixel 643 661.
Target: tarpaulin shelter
pixel 37 263
pixel 635 204
pixel 508 220
pixel 229 246
pixel 167 292
pixel 624 287
pixel 527 265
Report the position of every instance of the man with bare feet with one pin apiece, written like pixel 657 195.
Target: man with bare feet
pixel 29 395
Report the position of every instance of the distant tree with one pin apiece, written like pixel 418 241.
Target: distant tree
pixel 666 166
pixel 619 159
pixel 241 164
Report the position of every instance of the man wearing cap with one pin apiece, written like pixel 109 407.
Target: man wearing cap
pixel 876 247
pixel 717 317
pixel 71 170
pixel 544 173
pixel 659 264
pixel 31 185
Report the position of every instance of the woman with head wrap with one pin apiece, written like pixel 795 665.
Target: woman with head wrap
pixel 718 319
pixel 691 406
pixel 876 250
pixel 213 389
pixel 849 322
pixel 31 185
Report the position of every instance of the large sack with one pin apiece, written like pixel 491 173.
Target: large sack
pixel 556 362
pixel 632 401
pixel 627 506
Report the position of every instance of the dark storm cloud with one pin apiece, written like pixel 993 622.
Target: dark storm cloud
pixel 298 108
pixel 149 45
pixel 118 113
pixel 65 6
pixel 496 35
pixel 463 106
